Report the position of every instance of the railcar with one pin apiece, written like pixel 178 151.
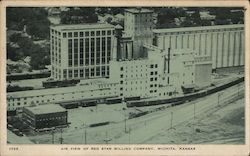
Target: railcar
pixel 185 98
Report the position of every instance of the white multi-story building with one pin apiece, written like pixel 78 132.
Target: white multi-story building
pixel 81 51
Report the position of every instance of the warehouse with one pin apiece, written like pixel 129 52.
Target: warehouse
pixel 90 88
pixel 45 116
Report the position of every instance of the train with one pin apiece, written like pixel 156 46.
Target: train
pixel 185 98
pixel 31 75
pixel 50 83
pixel 89 102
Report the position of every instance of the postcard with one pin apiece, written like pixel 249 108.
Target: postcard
pixel 124 78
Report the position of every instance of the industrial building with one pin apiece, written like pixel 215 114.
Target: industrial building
pixel 224 43
pixel 138 25
pixel 128 64
pixel 162 74
pixel 87 89
pixel 45 116
pixel 81 51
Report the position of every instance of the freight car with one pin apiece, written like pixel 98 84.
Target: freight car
pixel 58 83
pixel 31 75
pixel 69 104
pixel 187 97
pixel 114 100
pixel 132 98
pixel 88 103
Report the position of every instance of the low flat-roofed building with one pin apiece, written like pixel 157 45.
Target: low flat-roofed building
pixel 45 116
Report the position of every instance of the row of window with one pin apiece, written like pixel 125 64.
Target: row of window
pixel 52 118
pixel 87 72
pixel 87 33
pixel 131 89
pixel 203 31
pixel 95 51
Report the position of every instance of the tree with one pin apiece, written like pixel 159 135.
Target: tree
pixel 34 18
pixel 79 15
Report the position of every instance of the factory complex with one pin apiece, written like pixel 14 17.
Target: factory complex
pixel 139 62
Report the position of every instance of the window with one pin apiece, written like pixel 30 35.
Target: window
pixel 87 33
pixel 151 73
pixel 64 35
pixel 81 34
pixel 75 34
pixel 155 72
pixel 156 65
pixel 156 79
pixel 70 34
pixel 151 79
pixel 121 68
pixel 109 32
pixel 75 73
pixel 121 75
pixel 70 52
pixel 97 33
pixel 151 66
pixel 103 32
pixel 70 73
pixel 92 72
pixel 121 88
pixel 87 72
pixel 75 52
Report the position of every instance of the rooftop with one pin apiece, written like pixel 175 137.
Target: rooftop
pixel 46 109
pixel 198 28
pixel 138 10
pixel 82 26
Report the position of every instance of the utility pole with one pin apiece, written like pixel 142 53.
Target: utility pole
pixel 61 138
pixel 219 94
pixel 129 135
pixel 107 139
pixel 171 121
pixel 53 137
pixel 125 125
pixel 194 110
pixel 85 136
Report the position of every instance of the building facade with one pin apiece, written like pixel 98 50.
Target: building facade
pixel 81 51
pixel 138 24
pixel 224 43
pixel 87 89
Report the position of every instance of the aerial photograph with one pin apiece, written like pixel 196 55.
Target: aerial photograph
pixel 125 75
